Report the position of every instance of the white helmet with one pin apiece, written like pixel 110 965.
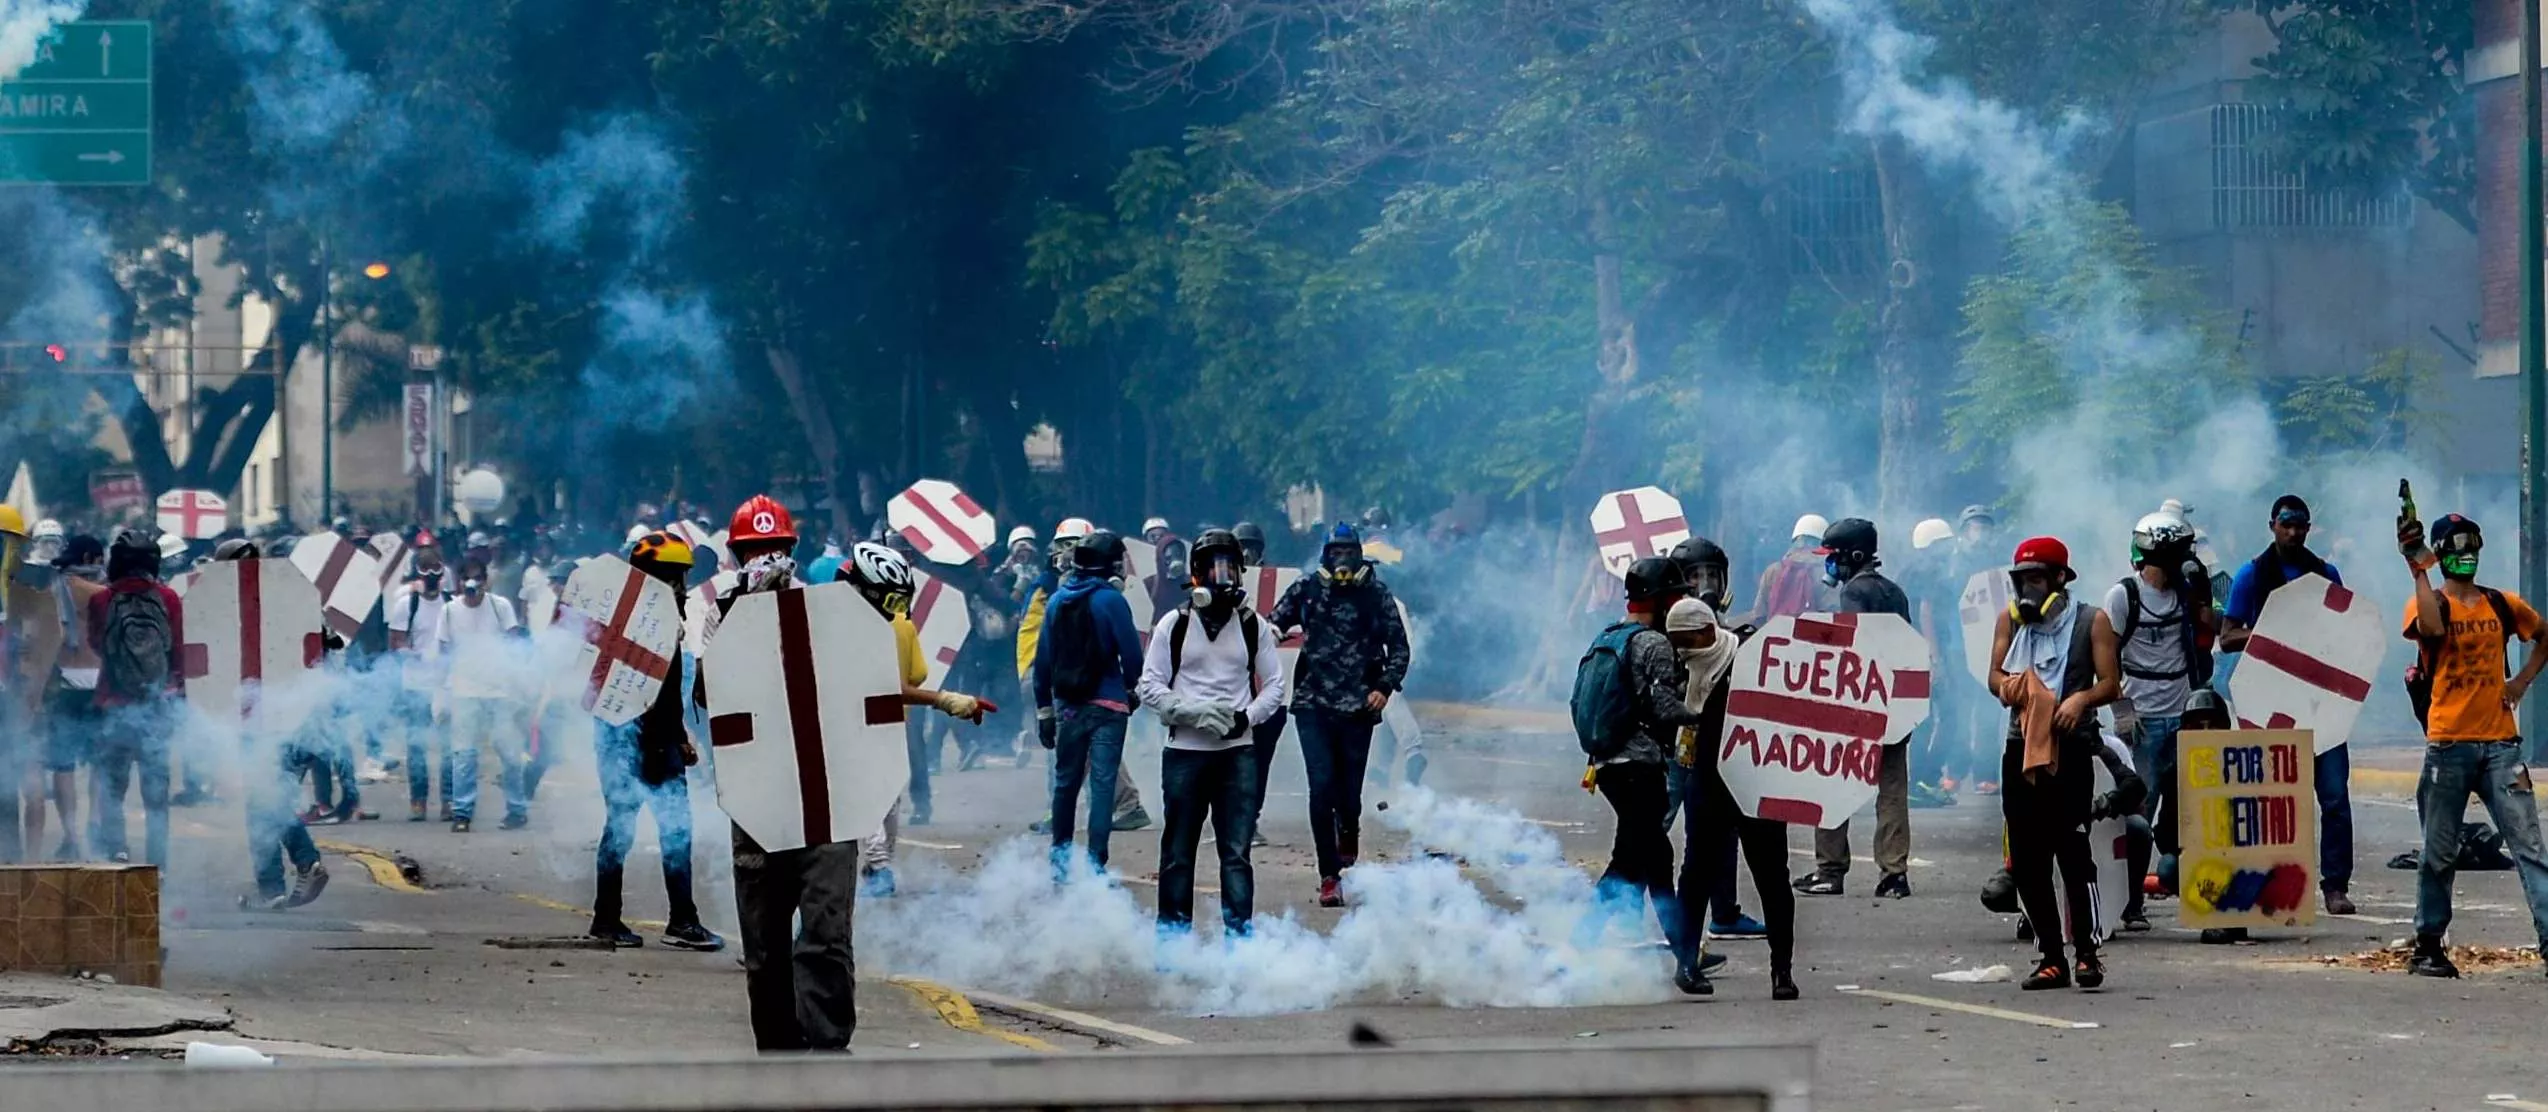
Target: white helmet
pixel 171 546
pixel 1931 532
pixel 2158 530
pixel 1022 533
pixel 1073 529
pixel 876 570
pixel 47 530
pixel 1158 523
pixel 634 532
pixel 1810 525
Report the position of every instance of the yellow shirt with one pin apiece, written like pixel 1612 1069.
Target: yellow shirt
pixel 915 667
pixel 1030 629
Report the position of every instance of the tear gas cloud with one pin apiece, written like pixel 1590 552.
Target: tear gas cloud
pixel 24 23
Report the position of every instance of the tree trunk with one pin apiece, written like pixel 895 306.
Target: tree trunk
pixel 1912 340
pixel 1615 358
pixel 821 436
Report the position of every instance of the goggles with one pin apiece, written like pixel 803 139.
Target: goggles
pixel 2292 519
pixel 2462 541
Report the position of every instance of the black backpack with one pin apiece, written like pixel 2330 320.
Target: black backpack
pixel 2428 652
pixel 1079 666
pixel 1177 645
pixel 2198 660
pixel 139 638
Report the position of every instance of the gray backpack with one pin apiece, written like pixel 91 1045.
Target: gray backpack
pixel 139 639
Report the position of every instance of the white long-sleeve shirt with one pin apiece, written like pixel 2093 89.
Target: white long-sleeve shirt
pixel 1213 670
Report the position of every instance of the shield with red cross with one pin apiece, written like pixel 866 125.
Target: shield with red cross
pixel 630 623
pixel 939 613
pixel 805 714
pixel 252 642
pixel 391 552
pixel 2309 662
pixel 1813 701
pixel 1630 525
pixel 941 521
pixel 1265 587
pixel 193 514
pixel 1977 610
pixel 347 577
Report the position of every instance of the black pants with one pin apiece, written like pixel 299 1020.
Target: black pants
pixel 1712 824
pixel 1220 785
pixel 1337 747
pixel 2048 826
pixel 801 981
pixel 1640 868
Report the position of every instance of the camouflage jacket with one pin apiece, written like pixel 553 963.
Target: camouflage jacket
pixel 1352 642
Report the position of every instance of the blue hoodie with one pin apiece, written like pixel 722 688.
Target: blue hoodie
pixel 1115 634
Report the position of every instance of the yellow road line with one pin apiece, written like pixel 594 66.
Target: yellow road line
pixel 384 871
pixel 2055 1022
pixel 1079 1019
pixel 958 1013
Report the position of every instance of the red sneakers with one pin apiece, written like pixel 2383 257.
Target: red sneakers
pixel 1331 892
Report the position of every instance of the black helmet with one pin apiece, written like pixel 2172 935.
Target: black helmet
pixel 1697 552
pixel 139 540
pixel 2205 710
pixel 1850 538
pixel 81 551
pixel 1654 577
pixel 236 548
pixel 1198 554
pixel 1101 552
pixel 1251 538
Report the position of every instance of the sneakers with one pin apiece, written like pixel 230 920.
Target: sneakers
pixel 692 936
pixel 1691 982
pixel 1331 892
pixel 514 822
pixel 370 771
pixel 2338 903
pixel 459 826
pixel 415 812
pixel 306 885
pixel 1743 927
pixel 2222 936
pixel 313 815
pixel 2000 893
pixel 2048 974
pixel 2431 960
pixel 1710 963
pixel 1258 842
pixel 878 885
pixel 1931 795
pixel 2091 972
pixel 1893 886
pixel 1782 985
pixel 1986 787
pixel 2135 922
pixel 1041 826
pixel 1818 884
pixel 1135 819
pixel 621 938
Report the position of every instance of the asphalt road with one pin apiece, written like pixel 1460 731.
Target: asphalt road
pixel 378 967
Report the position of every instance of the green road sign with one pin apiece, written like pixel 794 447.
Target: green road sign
pixel 80 113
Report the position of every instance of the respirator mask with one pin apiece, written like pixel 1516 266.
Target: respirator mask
pixel 2036 597
pixel 1218 580
pixel 2458 554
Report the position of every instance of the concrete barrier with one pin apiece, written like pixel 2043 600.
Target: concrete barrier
pixel 1646 1073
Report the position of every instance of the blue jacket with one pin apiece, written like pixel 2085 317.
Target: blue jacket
pixel 1115 635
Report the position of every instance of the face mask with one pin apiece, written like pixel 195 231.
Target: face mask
pixel 1345 563
pixel 2034 600
pixel 470 587
pixel 1832 576
pixel 2460 565
pixel 433 582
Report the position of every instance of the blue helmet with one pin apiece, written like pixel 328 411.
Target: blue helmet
pixel 1343 533
pixel 1340 554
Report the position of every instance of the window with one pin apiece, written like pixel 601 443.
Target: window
pixel 2252 190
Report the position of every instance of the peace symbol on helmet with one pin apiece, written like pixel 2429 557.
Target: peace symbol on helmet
pixel 764 522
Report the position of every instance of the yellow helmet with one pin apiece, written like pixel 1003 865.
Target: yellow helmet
pixel 11 521
pixel 662 548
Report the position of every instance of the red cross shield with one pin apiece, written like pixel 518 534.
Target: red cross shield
pixel 945 623
pixel 805 715
pixel 252 639
pixel 630 623
pixel 1630 525
pixel 347 577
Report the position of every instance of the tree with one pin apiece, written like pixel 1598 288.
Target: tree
pixel 2372 94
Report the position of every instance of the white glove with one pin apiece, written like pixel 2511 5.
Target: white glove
pixel 1213 719
pixel 1170 708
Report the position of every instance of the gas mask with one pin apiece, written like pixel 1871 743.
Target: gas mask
pixel 1343 563
pixel 2460 565
pixel 1707 584
pixel 1833 574
pixel 433 581
pixel 1217 582
pixel 2036 597
pixel 470 587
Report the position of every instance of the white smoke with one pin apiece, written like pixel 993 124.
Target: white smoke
pixel 23 26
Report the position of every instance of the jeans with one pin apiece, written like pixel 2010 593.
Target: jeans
pixel 2154 757
pixel 275 834
pixel 1640 869
pixel 490 721
pixel 1267 737
pixel 2495 772
pixel 2333 770
pixel 793 909
pixel 1089 747
pixel 1337 747
pixel 1893 821
pixel 623 794
pixel 1222 783
pixel 130 737
pixel 1725 904
pixel 428 747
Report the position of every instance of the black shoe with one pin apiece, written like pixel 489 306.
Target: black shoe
pixel 514 822
pixel 459 826
pixel 621 938
pixel 306 885
pixel 1710 963
pixel 692 936
pixel 2049 974
pixel 2135 922
pixel 2223 936
pixel 2000 893
pixel 1818 884
pixel 1135 819
pixel 1692 982
pixel 2431 960
pixel 1040 826
pixel 1782 985
pixel 2091 972
pixel 1893 886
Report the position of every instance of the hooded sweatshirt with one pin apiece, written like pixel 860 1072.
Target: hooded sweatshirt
pixel 1116 640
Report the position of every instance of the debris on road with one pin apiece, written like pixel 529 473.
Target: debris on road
pixel 1986 975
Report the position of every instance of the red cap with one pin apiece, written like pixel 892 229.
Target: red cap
pixel 424 538
pixel 2035 553
pixel 761 518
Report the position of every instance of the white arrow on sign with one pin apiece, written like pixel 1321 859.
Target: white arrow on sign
pixel 105 54
pixel 110 157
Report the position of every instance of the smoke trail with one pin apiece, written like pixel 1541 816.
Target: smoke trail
pixel 1419 926
pixel 23 25
pixel 305 101
pixel 625 166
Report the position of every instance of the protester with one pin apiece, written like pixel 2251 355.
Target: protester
pixel 2162 614
pixel 1168 586
pixel 139 628
pixel 883 577
pixel 1629 710
pixel 1087 666
pixel 1707 570
pixel 2058 662
pixel 646 763
pixel 475 636
pixel 1211 690
pixel 2463 633
pixel 71 712
pixel 277 838
pixel 414 618
pixel 2287 559
pixel 1848 550
pixel 1793 585
pixel 1353 660
pixel 1712 823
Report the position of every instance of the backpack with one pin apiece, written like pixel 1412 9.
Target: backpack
pixel 2428 653
pixel 1177 645
pixel 139 638
pixel 1605 699
pixel 1079 668
pixel 2198 657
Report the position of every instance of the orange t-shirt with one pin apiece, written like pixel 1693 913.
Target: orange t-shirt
pixel 2468 678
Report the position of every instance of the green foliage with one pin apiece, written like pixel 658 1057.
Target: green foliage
pixel 2330 418
pixel 2371 95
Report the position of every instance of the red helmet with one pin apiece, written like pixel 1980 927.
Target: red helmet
pixel 761 518
pixel 2044 554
